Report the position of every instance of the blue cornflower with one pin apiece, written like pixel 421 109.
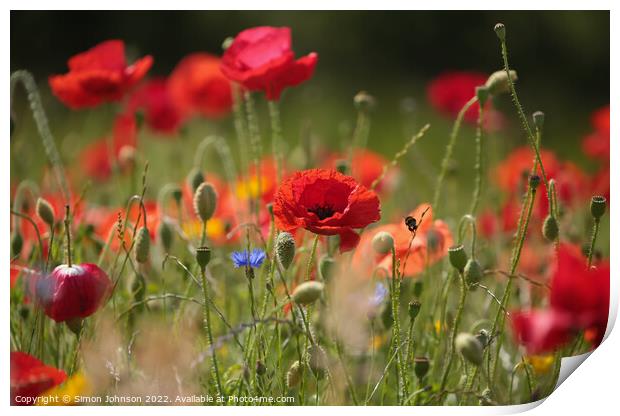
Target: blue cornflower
pixel 254 259
pixel 380 293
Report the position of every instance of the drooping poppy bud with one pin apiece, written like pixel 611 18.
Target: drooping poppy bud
pixel 285 249
pixel 383 242
pixel 498 82
pixel 143 245
pixel 550 228
pixel 472 272
pixel 308 292
pixel 45 211
pixel 205 199
pixel 165 234
pixel 195 178
pixel 293 376
pixel 469 347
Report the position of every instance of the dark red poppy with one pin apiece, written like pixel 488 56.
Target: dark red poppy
pixel 597 144
pixel 161 112
pixel 98 158
pixel 30 377
pixel 579 300
pixel 449 92
pixel 74 292
pixel 261 59
pixel 98 75
pixel 198 86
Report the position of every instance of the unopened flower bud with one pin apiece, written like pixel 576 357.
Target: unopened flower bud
pixel 177 194
pixel 550 228
pixel 261 370
pixel 421 365
pixel 414 309
pixel 469 347
pixel 293 376
pixel 203 256
pixel 327 265
pixel 127 157
pixel 143 245
pixel 205 199
pixel 472 272
pixel 458 257
pixel 45 211
pixel 539 119
pixel 342 166
pixel 483 337
pixel 317 361
pixel 498 82
pixel 534 181
pixel 482 93
pixel 165 234
pixel 285 249
pixel 383 242
pixel 227 42
pixel 308 292
pixel 195 178
pixel 364 101
pixel 417 288
pixel 17 243
pixel 598 205
pixel 500 31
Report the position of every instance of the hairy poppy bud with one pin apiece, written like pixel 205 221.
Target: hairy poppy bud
pixel 327 264
pixel 598 206
pixel 469 347
pixel 472 272
pixel 203 256
pixel 417 288
pixel 421 365
pixel 308 292
pixel 227 42
pixel 364 101
pixel 285 249
pixel 17 243
pixel 342 166
pixel 317 360
pixel 414 309
pixel 482 93
pixel 127 157
pixel 293 376
pixel 534 181
pixel 383 242
pixel 205 199
pixel 165 234
pixel 550 228
pixel 498 82
pixel 45 211
pixel 539 119
pixel 500 31
pixel 143 245
pixel 177 194
pixel 483 337
pixel 195 178
pixel 261 370
pixel 458 257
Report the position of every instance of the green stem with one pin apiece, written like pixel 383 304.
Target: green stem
pixel 207 323
pixel 479 169
pixel 455 327
pixel 312 257
pixel 593 241
pixel 276 136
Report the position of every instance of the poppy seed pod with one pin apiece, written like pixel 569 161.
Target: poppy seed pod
pixel 472 272
pixel 308 292
pixel 17 243
pixel 469 347
pixel 364 101
pixel 482 93
pixel 203 256
pixel 317 360
pixel 539 119
pixel 500 31
pixel 195 178
pixel 383 242
pixel 458 257
pixel 285 249
pixel 165 234
pixel 421 365
pixel 498 83
pixel 327 264
pixel 414 309
pixel 550 228
pixel 143 245
pixel 293 376
pixel 45 211
pixel 598 205
pixel 205 200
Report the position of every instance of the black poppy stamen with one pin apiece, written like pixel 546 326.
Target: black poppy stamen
pixel 322 211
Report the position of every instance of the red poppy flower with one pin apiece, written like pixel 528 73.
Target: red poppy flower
pixel 597 144
pixel 366 167
pixel 30 377
pixel 153 97
pixel 97 159
pixel 261 59
pixel 325 202
pixel 98 75
pixel 488 223
pixel 579 300
pixel 71 292
pixel 449 92
pixel 198 86
pixel 431 244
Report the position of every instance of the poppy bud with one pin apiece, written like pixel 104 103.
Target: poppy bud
pixel 227 42
pixel 383 242
pixel 534 181
pixel 414 309
pixel 598 206
pixel 269 207
pixel 203 256
pixel 326 267
pixel 472 272
pixel 165 234
pixel 17 243
pixel 550 228
pixel 45 211
pixel 308 292
pixel 342 166
pixel 285 249
pixel 483 337
pixel 143 245
pixel 364 101
pixel 417 288
pixel 500 31
pixel 75 325
pixel 482 93
pixel 458 257
pixel 539 119
pixel 205 200
pixel 421 365
pixel 260 368
pixel 195 178
pixel 498 83
pixel 469 347
pixel 293 376
pixel 127 157
pixel 177 194
pixel 317 360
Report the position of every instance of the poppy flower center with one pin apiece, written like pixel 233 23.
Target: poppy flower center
pixel 322 211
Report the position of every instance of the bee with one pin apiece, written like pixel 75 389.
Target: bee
pixel 411 223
